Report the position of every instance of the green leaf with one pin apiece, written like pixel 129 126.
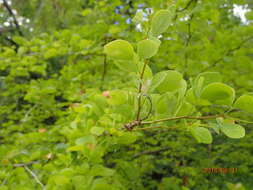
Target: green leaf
pixel 232 130
pixel 157 80
pixel 128 65
pixel 127 138
pixel 147 48
pixel 202 135
pixel 160 22
pixel 165 105
pixel 60 179
pixel 167 81
pixel 218 93
pixel 190 97
pixel 119 50
pixel 97 131
pixel 204 79
pixel 103 186
pixel 76 148
pixel 249 15
pixel 215 127
pixel 117 97
pixel 103 183
pixel 99 170
pixel 138 18
pixel 210 77
pixel 245 102
pixel 185 109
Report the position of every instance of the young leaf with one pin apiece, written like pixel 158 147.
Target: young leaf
pixel 245 102
pixel 147 48
pixel 185 109
pixel 204 79
pixel 202 135
pixel 232 130
pixel 128 65
pixel 127 138
pixel 99 170
pixel 138 18
pixel 119 50
pixel 157 80
pixel 165 105
pixel 210 77
pixel 167 81
pixel 218 93
pixel 160 22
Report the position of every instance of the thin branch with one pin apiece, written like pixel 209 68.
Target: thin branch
pixel 183 9
pixel 35 177
pixel 139 91
pixel 131 125
pixel 25 164
pixel 12 43
pixel 7 6
pixel 186 6
pixel 182 117
pixel 189 37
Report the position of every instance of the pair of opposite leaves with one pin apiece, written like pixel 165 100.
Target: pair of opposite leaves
pixel 122 50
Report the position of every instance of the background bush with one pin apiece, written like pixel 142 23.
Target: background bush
pixel 57 124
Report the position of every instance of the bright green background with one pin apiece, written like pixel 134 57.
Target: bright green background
pixel 52 111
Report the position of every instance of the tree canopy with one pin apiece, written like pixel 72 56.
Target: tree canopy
pixel 126 95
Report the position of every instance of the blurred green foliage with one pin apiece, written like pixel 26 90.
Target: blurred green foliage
pixel 63 104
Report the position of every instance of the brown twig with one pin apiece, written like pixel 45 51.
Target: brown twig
pixel 182 117
pixel 133 124
pixel 139 92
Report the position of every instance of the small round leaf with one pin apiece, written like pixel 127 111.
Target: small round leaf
pixel 245 102
pixel 147 48
pixel 119 50
pixel 218 93
pixel 160 22
pixel 232 130
pixel 167 81
pixel 202 135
